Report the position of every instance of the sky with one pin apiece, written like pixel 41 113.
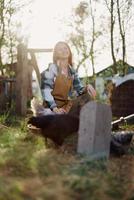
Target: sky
pixel 47 21
pixel 45 25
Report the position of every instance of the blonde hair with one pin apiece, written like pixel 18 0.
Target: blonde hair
pixel 55 56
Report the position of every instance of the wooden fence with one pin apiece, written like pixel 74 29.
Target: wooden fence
pixel 23 78
pixel 7 88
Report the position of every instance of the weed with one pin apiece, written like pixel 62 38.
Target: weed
pixel 29 170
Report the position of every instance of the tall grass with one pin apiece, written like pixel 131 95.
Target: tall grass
pixel 30 171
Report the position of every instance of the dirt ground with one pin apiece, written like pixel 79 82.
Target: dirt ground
pixel 29 170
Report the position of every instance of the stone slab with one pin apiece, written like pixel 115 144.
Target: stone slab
pixel 95 130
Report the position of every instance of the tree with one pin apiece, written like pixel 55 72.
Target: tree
pixel 120 15
pixel 123 12
pixel 110 7
pixel 8 26
pixel 93 37
pixel 77 37
pixel 83 39
pixel 2 31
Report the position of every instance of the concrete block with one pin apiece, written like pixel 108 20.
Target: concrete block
pixel 95 130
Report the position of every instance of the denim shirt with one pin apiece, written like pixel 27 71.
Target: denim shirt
pixel 47 83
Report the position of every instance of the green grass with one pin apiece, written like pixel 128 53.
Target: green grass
pixel 31 171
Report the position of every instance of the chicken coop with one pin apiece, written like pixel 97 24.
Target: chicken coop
pixel 122 99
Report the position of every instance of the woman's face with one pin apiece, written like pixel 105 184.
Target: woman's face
pixel 62 51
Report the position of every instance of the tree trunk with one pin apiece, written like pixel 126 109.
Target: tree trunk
pixel 112 39
pixel 92 42
pixel 123 39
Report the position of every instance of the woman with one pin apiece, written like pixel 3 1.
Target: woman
pixel 57 85
pixel 60 80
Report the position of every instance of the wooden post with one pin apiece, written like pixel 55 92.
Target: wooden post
pixel 34 61
pixel 35 65
pixel 21 80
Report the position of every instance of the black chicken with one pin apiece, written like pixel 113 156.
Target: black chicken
pixel 56 127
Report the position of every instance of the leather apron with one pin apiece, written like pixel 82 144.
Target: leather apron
pixel 62 86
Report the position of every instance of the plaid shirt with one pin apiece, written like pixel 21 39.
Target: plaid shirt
pixel 47 83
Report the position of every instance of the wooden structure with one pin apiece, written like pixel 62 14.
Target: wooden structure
pixel 122 99
pixel 6 92
pixel 24 75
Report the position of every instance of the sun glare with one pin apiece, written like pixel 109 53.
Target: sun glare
pixel 47 24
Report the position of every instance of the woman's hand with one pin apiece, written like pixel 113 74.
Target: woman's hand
pixel 91 91
pixel 59 110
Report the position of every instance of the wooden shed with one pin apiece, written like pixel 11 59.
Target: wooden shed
pixel 122 99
